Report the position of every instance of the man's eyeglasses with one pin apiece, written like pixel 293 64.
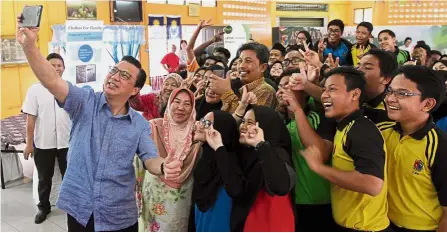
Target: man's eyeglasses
pixel 124 75
pixel 333 31
pixel 400 94
pixel 294 61
pixel 205 123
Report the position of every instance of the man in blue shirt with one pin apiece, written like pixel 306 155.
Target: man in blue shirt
pixel 97 191
pixel 334 44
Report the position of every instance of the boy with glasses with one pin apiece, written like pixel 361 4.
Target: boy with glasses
pixel 417 152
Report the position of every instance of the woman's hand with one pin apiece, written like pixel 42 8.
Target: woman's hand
pixel 213 138
pixel 254 135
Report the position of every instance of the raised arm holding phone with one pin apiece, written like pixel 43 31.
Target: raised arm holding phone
pixel 105 135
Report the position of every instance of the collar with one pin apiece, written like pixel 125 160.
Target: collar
pixel 368 45
pixel 103 103
pixel 373 103
pixel 353 116
pixel 420 134
pixel 252 85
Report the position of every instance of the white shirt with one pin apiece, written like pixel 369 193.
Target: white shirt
pixel 53 124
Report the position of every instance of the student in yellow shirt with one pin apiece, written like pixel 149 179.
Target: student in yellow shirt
pixel 357 174
pixel 417 152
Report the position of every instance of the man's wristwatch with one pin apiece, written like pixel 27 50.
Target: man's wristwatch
pixel 260 144
pixel 162 168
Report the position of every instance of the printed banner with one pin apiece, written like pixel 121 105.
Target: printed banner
pixel 83 30
pixel 235 36
pixel 174 27
pixel 156 27
pixel 84 49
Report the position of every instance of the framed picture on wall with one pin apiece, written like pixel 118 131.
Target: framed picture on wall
pixel 81 10
pixel 11 51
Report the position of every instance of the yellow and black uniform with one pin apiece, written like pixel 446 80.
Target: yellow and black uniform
pixel 355 52
pixel 375 109
pixel 417 176
pixel 359 146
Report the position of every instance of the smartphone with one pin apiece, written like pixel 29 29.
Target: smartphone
pixel 220 73
pixel 31 16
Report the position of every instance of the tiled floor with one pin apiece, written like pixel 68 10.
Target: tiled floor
pixel 18 210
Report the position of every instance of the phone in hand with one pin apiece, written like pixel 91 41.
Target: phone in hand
pixel 31 16
pixel 220 73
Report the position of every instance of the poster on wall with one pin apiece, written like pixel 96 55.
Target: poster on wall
pixel 81 10
pixel 173 27
pixel 235 36
pixel 84 49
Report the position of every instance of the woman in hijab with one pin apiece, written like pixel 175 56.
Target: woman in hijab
pixel 262 201
pixel 216 168
pixel 211 100
pixel 166 203
pixel 153 105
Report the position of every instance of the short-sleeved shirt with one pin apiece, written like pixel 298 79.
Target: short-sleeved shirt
pixel 172 60
pixel 100 177
pixel 402 56
pixel 375 109
pixel 342 51
pixel 192 66
pixel 417 184
pixel 310 189
pixel 52 128
pixel 359 146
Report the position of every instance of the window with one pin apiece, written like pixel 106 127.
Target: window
pixel 362 15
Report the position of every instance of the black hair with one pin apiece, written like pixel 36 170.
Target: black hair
pixel 214 58
pixel 262 52
pixel 55 56
pixel 387 31
pixel 199 69
pixel 406 39
pixel 233 61
pixel 141 77
pixel 433 52
pixel 225 64
pixel 183 74
pixel 338 23
pixel 308 37
pixel 223 50
pixel 276 63
pixel 181 42
pixel 423 45
pixel 354 79
pixel 387 61
pixel 295 47
pixel 427 81
pixel 279 47
pixel 216 67
pixel 444 62
pixel 367 25
pixel 288 73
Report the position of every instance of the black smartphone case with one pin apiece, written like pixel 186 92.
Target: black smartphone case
pixel 31 16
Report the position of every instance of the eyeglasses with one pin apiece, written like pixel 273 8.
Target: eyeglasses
pixel 294 61
pixel 205 123
pixel 400 94
pixel 124 75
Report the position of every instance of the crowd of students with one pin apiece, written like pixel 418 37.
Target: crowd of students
pixel 331 137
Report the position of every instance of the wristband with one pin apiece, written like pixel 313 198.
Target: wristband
pixel 162 168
